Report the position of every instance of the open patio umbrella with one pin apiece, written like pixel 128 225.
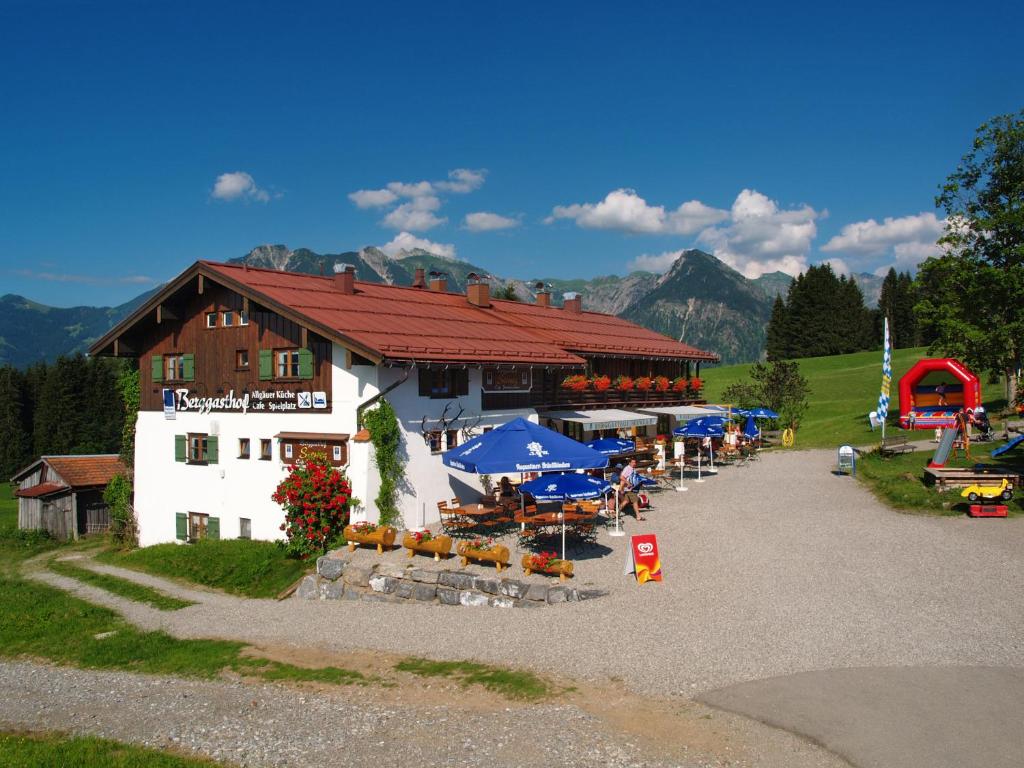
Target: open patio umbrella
pixel 611 446
pixel 522 446
pixel 571 486
pixel 763 413
pixel 706 426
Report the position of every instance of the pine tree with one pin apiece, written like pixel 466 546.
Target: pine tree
pixel 16 445
pixel 58 422
pixel 776 337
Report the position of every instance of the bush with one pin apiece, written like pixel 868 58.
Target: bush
pixel 316 499
pixel 118 496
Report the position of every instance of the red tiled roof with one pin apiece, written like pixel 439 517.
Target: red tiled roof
pixel 43 489
pixel 402 323
pixel 85 471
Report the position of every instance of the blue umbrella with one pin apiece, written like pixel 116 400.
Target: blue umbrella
pixel 568 486
pixel 705 426
pixel 611 446
pixel 750 429
pixel 522 446
pixel 763 413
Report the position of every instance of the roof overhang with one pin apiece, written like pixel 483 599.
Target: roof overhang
pixel 681 411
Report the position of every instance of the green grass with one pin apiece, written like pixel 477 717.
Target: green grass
pixel 126 589
pixel 844 389
pixel 899 481
pixel 48 750
pixel 513 684
pixel 8 507
pixel 238 566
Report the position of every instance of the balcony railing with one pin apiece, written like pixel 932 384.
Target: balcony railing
pixel 564 399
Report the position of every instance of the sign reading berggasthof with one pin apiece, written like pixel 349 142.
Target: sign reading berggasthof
pixel 258 400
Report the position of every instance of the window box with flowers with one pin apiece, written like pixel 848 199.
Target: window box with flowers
pixel 483 551
pixel 694 386
pixel 575 383
pixel 601 383
pixel 661 383
pixel 427 542
pixel 370 534
pixel 624 384
pixel 547 562
pixel 644 384
pixel 679 384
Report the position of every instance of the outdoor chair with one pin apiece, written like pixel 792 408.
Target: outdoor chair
pixel 451 522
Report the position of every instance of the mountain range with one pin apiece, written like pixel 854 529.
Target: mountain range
pixel 699 300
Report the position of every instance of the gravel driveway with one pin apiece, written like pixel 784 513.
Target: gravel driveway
pixel 772 568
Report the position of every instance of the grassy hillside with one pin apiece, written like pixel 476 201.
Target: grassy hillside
pixel 844 389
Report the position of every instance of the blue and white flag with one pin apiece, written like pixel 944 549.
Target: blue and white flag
pixel 883 397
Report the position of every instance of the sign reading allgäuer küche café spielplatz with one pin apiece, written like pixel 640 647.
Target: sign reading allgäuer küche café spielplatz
pixel 254 400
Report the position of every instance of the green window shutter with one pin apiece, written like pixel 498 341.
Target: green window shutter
pixel 158 368
pixel 189 364
pixel 213 528
pixel 266 364
pixel 180 447
pixel 181 526
pixel 212 451
pixel 305 364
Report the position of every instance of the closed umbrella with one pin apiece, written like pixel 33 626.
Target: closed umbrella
pixel 750 428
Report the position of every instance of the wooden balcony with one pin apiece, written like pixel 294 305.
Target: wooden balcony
pixel 566 399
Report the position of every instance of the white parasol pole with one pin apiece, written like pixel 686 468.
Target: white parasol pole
pixel 682 467
pixel 618 529
pixel 711 452
pixel 699 478
pixel 562 515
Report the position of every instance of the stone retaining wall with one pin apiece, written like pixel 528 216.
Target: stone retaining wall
pixel 337 578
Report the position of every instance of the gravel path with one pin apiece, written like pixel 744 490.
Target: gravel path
pixel 770 569
pixel 263 725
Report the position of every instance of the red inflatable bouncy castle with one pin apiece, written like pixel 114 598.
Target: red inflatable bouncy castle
pixel 934 391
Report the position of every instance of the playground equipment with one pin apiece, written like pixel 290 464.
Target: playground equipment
pixel 947 443
pixel 977 492
pixel 935 391
pixel 1009 446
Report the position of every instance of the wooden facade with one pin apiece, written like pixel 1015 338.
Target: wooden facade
pixel 180 327
pixel 65 514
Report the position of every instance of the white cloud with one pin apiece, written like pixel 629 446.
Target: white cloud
pixel 65 277
pixel 372 198
pixel 416 215
pixel 625 210
pixel 482 221
pixel 233 186
pixel 659 263
pixel 463 180
pixel 839 266
pixel 869 238
pixel 760 237
pixel 405 241
pixel 414 189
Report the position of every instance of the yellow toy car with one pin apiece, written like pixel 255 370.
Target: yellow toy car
pixel 978 492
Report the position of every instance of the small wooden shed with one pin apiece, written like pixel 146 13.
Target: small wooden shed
pixel 64 494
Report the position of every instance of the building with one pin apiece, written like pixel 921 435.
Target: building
pixel 64 494
pixel 243 369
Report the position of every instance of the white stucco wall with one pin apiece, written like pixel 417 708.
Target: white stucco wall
pixel 235 488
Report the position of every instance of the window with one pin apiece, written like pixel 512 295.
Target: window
pixel 336 453
pixel 243 447
pixel 243 317
pixel 265 449
pixel 434 440
pixel 198 448
pixel 452 438
pixel 289 451
pixel 211 319
pixel 228 319
pixel 242 360
pixel 174 367
pixel 443 382
pixel 198 526
pixel 287 363
pixel 244 528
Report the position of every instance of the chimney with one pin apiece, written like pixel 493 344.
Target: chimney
pixel 419 280
pixel 543 295
pixel 438 282
pixel 571 302
pixel 478 291
pixel 345 278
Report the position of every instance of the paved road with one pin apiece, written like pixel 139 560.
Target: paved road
pixel 924 717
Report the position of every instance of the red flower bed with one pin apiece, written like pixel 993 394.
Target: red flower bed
pixel 577 383
pixel 624 384
pixel 644 383
pixel 679 384
pixel 661 383
pixel 601 383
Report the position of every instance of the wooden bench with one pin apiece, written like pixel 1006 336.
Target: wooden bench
pixel 948 478
pixel 893 445
pixel 1012 426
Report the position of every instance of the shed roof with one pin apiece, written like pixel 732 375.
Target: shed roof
pixel 86 471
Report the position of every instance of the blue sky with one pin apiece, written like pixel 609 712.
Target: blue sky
pixel 594 138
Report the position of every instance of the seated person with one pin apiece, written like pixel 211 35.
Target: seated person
pixel 505 487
